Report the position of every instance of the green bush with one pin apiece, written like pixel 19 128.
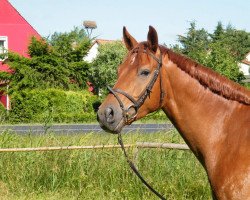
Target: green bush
pixel 52 105
pixel 57 106
pixel 155 117
pixel 3 113
pixel 247 85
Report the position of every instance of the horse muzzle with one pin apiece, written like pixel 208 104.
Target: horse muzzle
pixel 110 119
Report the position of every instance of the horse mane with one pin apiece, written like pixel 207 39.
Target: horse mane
pixel 209 79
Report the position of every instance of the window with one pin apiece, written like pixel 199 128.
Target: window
pixel 3 47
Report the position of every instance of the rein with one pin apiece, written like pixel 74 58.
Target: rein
pixel 136 105
pixel 135 170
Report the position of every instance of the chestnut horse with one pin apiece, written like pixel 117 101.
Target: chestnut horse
pixel 210 112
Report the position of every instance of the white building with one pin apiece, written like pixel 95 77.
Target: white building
pixel 245 67
pixel 93 51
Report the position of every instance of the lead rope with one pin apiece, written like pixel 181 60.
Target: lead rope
pixel 133 167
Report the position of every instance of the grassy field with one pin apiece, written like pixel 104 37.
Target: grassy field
pixel 97 174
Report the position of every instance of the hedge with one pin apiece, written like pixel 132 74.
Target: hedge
pixel 52 105
pixel 57 106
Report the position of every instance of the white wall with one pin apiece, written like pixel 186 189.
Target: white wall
pixel 248 57
pixel 244 68
pixel 92 53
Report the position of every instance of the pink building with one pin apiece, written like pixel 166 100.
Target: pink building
pixel 15 34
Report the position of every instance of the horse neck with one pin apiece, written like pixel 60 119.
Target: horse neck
pixel 196 112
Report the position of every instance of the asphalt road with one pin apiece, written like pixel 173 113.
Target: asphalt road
pixel 82 128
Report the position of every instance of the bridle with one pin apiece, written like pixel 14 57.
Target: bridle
pixel 143 96
pixel 136 105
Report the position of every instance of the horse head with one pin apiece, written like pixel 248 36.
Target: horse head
pixel 137 91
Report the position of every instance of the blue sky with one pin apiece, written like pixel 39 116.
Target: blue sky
pixel 170 18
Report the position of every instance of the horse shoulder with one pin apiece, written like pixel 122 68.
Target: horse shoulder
pixel 231 175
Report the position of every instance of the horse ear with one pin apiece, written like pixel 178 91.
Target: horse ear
pixel 152 39
pixel 129 41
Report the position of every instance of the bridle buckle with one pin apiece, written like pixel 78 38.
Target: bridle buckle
pixel 128 117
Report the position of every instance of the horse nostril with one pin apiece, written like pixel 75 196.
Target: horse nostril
pixel 109 114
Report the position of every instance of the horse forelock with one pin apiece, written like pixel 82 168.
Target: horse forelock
pixel 210 79
pixel 135 55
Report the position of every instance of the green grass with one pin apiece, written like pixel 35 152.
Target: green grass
pixel 97 174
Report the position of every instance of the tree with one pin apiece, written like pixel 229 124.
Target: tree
pixel 54 63
pixel 220 50
pixel 218 32
pixel 72 46
pixel 236 41
pixel 103 70
pixel 195 44
pixel 220 60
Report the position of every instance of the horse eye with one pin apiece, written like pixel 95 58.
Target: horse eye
pixel 144 72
